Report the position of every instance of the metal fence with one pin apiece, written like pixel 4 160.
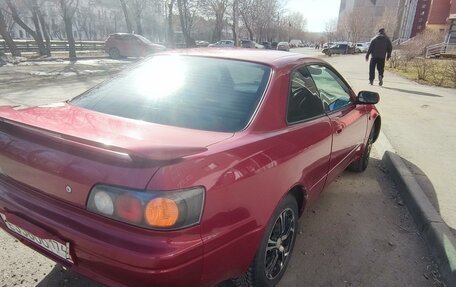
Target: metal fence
pixel 56 45
pixel 441 49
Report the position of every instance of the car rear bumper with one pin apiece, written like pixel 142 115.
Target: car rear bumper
pixel 109 252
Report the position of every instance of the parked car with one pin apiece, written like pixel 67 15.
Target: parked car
pixel 295 43
pixel 361 47
pixel 154 178
pixel 283 46
pixel 251 44
pixel 223 44
pixel 258 46
pixel 201 43
pixel 327 45
pixel 274 45
pixel 130 45
pixel 339 49
pixel 247 44
pixel 267 45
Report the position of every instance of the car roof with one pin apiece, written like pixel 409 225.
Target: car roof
pixel 275 59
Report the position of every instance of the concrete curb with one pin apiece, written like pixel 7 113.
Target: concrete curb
pixel 438 237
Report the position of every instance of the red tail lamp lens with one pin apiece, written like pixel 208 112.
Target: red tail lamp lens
pixel 129 208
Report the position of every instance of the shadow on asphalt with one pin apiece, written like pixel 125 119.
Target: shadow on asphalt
pixel 59 277
pixel 414 92
pixel 427 186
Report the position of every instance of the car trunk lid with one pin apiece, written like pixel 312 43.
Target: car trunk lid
pixel 63 151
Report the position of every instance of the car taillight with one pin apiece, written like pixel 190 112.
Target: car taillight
pixel 149 209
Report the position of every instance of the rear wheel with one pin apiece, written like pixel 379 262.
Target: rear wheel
pixel 362 163
pixel 114 53
pixel 273 255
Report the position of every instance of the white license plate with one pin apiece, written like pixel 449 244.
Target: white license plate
pixel 55 247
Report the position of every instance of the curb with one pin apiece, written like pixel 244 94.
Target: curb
pixel 438 237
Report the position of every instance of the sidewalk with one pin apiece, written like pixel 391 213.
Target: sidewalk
pixel 419 122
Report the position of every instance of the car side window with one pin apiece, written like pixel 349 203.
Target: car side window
pixel 303 100
pixel 333 91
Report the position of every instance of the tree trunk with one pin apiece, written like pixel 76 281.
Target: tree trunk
pixel 7 36
pixel 235 22
pixel 185 19
pixel 138 24
pixel 24 26
pixel 170 23
pixel 68 11
pixel 127 18
pixel 45 32
pixel 249 29
pixel 39 37
pixel 70 39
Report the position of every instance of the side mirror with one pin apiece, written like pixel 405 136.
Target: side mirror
pixel 367 97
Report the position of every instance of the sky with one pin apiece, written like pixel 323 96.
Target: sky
pixel 317 12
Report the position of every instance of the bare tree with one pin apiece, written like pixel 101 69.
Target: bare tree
pixel 39 21
pixel 127 17
pixel 170 15
pixel 7 36
pixel 297 25
pixel 235 20
pixel 353 25
pixel 249 13
pixel 36 34
pixel 138 7
pixel 330 30
pixel 68 9
pixel 188 10
pixel 218 9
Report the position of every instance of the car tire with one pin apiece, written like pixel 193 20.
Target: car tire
pixel 114 53
pixel 276 247
pixel 361 164
pixel 358 51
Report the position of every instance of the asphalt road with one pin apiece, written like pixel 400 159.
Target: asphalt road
pixel 357 234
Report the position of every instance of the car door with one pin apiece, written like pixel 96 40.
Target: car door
pixel 135 46
pixel 122 44
pixel 309 131
pixel 348 121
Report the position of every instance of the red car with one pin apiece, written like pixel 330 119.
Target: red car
pixel 130 45
pixel 188 170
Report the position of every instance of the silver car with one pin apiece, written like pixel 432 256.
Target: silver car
pixel 223 44
pixel 283 46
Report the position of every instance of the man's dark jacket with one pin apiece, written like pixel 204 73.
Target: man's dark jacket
pixel 380 47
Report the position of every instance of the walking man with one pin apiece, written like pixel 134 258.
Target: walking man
pixel 380 47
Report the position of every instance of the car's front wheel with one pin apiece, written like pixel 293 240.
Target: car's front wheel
pixel 361 164
pixel 273 255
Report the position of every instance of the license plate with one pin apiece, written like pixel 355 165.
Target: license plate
pixel 53 246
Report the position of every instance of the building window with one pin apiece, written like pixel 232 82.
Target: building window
pixel 422 12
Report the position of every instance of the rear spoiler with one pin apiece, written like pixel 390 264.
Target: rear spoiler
pixel 71 143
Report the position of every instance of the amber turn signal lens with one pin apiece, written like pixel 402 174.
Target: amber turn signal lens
pixel 161 212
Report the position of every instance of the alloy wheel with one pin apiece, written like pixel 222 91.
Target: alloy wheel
pixel 279 245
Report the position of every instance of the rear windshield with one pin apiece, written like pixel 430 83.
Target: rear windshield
pixel 190 92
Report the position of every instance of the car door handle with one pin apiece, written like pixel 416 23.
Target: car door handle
pixel 339 130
